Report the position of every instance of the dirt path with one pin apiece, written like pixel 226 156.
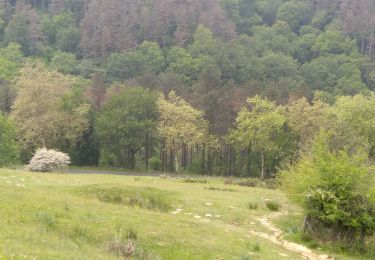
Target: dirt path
pixel 277 238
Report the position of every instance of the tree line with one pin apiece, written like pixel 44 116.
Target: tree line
pixel 220 87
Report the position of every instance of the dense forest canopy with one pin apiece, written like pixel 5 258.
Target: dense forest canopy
pixel 96 62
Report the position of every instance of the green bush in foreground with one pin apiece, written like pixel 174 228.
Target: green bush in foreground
pixel 337 192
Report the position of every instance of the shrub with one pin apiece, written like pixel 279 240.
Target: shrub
pixel 337 192
pixel 107 159
pixel 47 160
pixel 253 205
pixel 155 163
pixel 273 206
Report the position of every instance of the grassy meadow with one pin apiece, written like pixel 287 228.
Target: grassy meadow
pixel 89 216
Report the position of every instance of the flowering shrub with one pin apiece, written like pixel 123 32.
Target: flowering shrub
pixel 45 160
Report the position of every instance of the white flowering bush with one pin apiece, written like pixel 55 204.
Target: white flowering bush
pixel 45 160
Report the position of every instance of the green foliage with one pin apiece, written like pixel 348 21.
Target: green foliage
pixel 155 163
pixel 147 58
pixel 335 73
pixel 295 13
pixel 258 127
pixel 107 159
pixel 64 62
pixel 335 189
pixel 8 144
pixel 334 42
pixel 10 61
pixel 125 120
pixel 60 22
pixel 68 39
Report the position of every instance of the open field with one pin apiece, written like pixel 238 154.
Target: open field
pixel 80 216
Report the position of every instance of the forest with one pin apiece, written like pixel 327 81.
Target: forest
pixel 166 84
pixel 275 91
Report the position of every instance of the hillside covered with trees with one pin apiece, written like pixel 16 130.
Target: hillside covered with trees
pixel 230 87
pixel 278 91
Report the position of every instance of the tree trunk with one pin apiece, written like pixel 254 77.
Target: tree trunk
pixel 248 164
pixel 371 44
pixel 363 44
pixel 203 165
pixel 262 173
pixel 176 162
pixel 209 158
pixel 162 156
pixel 132 159
pixel 147 150
pixel 229 152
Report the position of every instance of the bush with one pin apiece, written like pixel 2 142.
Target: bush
pixel 253 205
pixel 107 159
pixel 273 206
pixel 48 160
pixel 155 163
pixel 337 192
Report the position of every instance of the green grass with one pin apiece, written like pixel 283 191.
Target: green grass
pixel 74 216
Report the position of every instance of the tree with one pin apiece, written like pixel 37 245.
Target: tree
pixel 147 58
pixel 64 62
pixel 107 27
pixel 338 74
pixel 351 124
pixel 179 125
pixel 8 144
pixel 126 123
pixel 10 64
pixel 295 13
pixel 258 127
pixel 49 109
pixel 68 39
pixel 25 29
pixel 181 62
pixel 306 120
pixel 278 67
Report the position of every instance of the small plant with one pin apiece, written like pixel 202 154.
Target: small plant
pixel 45 160
pixel 45 220
pixel 131 233
pixel 252 205
pixel 273 205
pixel 256 248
